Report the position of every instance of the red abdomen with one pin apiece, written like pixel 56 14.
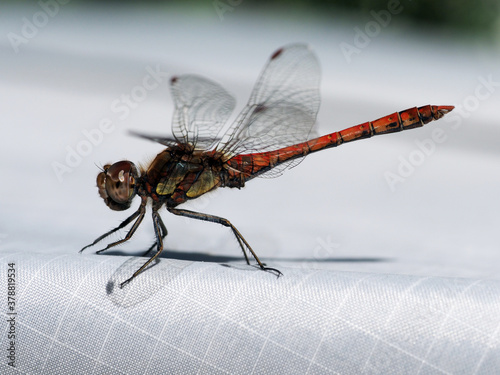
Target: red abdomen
pixel 251 165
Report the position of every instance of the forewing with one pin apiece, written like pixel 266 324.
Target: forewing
pixel 282 107
pixel 166 141
pixel 202 107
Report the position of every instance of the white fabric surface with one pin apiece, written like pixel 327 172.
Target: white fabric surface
pixel 191 317
pixel 375 280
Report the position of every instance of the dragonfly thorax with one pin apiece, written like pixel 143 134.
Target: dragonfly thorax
pixel 117 184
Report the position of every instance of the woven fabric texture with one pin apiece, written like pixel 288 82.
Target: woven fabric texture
pixel 188 317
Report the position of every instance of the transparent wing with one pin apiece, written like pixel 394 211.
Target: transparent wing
pixel 202 108
pixel 282 107
pixel 169 141
pixel 166 141
pixel 278 170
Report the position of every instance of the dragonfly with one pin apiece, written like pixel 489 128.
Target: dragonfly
pixel 205 151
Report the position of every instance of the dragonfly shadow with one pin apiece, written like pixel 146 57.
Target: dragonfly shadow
pixel 153 279
pixel 181 255
pixel 214 258
pixel 338 260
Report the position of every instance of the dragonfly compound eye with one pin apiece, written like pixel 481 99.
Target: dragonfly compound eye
pixel 116 184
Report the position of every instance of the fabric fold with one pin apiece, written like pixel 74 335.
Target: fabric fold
pixel 179 316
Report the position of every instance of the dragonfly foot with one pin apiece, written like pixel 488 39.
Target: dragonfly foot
pixel 275 271
pixel 125 283
pixel 83 248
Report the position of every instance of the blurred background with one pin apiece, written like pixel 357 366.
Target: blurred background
pixel 76 76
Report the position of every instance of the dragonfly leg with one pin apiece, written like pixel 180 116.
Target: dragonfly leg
pixel 160 232
pixel 163 231
pixel 124 223
pixel 129 234
pixel 139 214
pixel 226 223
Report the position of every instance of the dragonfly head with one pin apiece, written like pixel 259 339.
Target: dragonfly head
pixel 117 184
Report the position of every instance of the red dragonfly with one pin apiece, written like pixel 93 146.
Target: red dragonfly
pixel 269 136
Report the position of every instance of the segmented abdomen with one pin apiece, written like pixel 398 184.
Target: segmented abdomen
pixel 251 165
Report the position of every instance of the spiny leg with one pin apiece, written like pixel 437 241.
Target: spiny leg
pixel 164 233
pixel 159 227
pixel 130 232
pixel 124 223
pixel 226 223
